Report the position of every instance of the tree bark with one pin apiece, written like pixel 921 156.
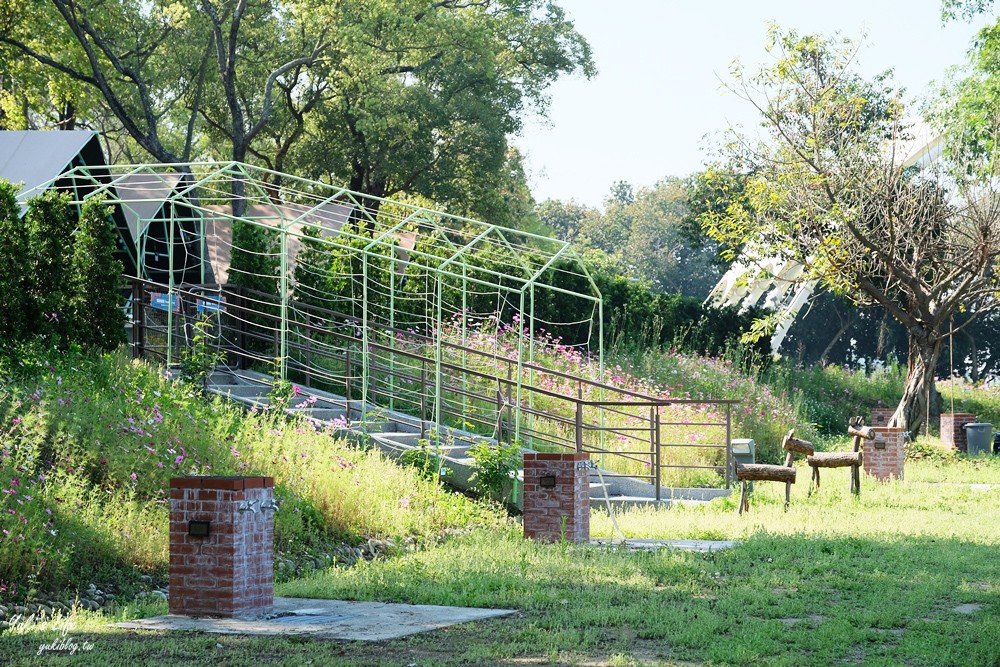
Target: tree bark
pixel 924 351
pixel 765 473
pixel 834 459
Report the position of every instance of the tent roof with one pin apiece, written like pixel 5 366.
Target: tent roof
pixel 34 157
pixel 143 195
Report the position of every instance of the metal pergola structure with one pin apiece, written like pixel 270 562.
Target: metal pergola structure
pixel 316 260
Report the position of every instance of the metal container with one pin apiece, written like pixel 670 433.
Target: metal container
pixel 979 437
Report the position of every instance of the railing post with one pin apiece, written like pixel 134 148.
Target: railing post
pixel 138 333
pixel 423 398
pixel 347 381
pixel 729 445
pixel 242 310
pixel 277 352
pixel 655 460
pixel 309 358
pixel 579 416
pixel 510 408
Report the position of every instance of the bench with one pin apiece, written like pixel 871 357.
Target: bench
pixel 762 472
pixel 852 459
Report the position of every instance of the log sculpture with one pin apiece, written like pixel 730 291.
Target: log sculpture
pixel 852 459
pixel 760 472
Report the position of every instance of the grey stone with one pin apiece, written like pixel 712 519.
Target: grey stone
pixel 329 619
pixel 970 608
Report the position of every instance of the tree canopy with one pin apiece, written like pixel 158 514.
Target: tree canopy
pixel 830 189
pixel 416 96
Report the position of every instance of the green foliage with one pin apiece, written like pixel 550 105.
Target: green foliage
pixel 254 267
pixel 282 390
pixel 57 283
pixel 637 317
pixel 648 236
pixel 829 202
pixel 96 303
pixel 255 260
pixel 426 460
pixel 355 258
pixel 200 357
pixel 50 229
pixel 828 396
pixel 494 468
pixel 312 270
pixel 14 279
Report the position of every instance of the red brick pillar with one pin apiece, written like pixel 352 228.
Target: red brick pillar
pixel 557 497
pixel 883 456
pixel 221 553
pixel 882 415
pixel 952 432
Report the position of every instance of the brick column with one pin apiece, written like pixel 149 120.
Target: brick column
pixel 952 433
pixel 883 457
pixel 881 416
pixel 556 491
pixel 229 571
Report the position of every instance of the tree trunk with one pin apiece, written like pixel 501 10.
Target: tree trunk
pixel 924 350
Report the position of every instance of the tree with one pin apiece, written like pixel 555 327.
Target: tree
pixel 415 96
pixel 50 227
pixel 646 234
pixel 158 66
pixel 14 280
pixel 828 190
pixel 95 299
pixel 565 219
pixel 428 92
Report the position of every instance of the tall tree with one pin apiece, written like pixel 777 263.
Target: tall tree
pixel 50 227
pixel 163 66
pixel 15 303
pixel 95 299
pixel 427 93
pixel 828 190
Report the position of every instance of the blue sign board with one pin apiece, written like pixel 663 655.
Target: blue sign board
pixel 212 304
pixel 164 301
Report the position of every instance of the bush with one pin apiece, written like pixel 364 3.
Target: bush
pixel 56 284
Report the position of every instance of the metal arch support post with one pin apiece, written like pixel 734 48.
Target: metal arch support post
pixel 438 359
pixel 170 289
pixel 283 288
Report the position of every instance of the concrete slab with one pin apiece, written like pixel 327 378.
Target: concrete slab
pixel 328 619
pixel 700 546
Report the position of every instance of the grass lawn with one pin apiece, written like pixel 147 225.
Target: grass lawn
pixel 909 574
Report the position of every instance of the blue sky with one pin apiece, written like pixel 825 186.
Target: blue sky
pixel 661 65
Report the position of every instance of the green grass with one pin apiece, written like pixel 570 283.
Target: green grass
pixel 875 580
